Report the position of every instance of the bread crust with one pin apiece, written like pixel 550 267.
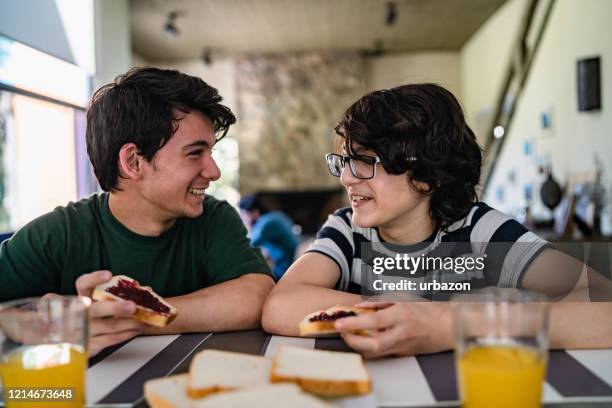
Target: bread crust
pixel 158 402
pixel 328 328
pixel 144 314
pixel 203 392
pixel 325 388
pixel 198 388
pixel 313 329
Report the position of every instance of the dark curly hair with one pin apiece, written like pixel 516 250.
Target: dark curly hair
pixel 143 107
pixel 420 130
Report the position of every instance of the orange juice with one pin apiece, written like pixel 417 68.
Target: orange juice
pixel 501 377
pixel 56 371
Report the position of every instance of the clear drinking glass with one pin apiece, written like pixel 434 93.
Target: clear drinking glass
pixel 501 348
pixel 43 346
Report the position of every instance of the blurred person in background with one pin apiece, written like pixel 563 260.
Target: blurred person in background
pixel 270 230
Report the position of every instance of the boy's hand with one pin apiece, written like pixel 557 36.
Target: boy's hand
pixel 399 329
pixel 110 322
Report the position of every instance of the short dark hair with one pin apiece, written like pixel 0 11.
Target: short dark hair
pixel 142 107
pixel 420 130
pixel 252 202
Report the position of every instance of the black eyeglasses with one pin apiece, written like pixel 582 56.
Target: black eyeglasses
pixel 362 167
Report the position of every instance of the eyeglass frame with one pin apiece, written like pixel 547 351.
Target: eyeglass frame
pixel 349 159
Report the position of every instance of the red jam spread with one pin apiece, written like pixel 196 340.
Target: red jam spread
pixel 326 317
pixel 131 291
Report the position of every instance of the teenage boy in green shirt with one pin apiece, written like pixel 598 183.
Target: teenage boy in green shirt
pixel 150 134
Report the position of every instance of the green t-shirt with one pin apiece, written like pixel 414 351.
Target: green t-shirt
pixel 49 253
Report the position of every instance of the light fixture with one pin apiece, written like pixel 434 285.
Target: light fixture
pixel 207 57
pixel 170 27
pixel 498 131
pixel 391 13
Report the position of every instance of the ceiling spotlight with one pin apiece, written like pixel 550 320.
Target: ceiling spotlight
pixel 391 13
pixel 207 57
pixel 170 27
pixel 498 131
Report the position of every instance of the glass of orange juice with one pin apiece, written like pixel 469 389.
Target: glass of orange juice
pixel 501 348
pixel 43 345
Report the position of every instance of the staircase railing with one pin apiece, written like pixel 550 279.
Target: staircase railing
pixel 534 22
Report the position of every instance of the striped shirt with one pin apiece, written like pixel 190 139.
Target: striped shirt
pixel 506 246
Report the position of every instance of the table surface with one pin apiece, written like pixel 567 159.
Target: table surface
pixel 116 375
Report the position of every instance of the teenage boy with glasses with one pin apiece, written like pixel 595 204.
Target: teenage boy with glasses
pixel 410 165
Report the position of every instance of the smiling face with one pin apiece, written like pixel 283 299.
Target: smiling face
pixel 174 182
pixel 387 201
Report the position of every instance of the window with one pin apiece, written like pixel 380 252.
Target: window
pixel 43 162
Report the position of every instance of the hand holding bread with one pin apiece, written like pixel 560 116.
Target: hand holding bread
pixel 322 323
pixel 110 321
pixel 400 329
pixel 150 307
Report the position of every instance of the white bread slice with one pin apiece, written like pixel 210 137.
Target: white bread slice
pixel 168 392
pixel 144 314
pixel 214 371
pixel 326 328
pixel 265 396
pixel 325 373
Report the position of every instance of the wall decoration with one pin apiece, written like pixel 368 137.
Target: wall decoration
pixel 512 176
pixel 527 148
pixel 588 73
pixel 547 122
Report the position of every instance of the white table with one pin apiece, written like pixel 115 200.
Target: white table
pixel 117 376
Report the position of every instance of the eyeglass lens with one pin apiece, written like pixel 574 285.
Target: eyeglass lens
pixel 360 168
